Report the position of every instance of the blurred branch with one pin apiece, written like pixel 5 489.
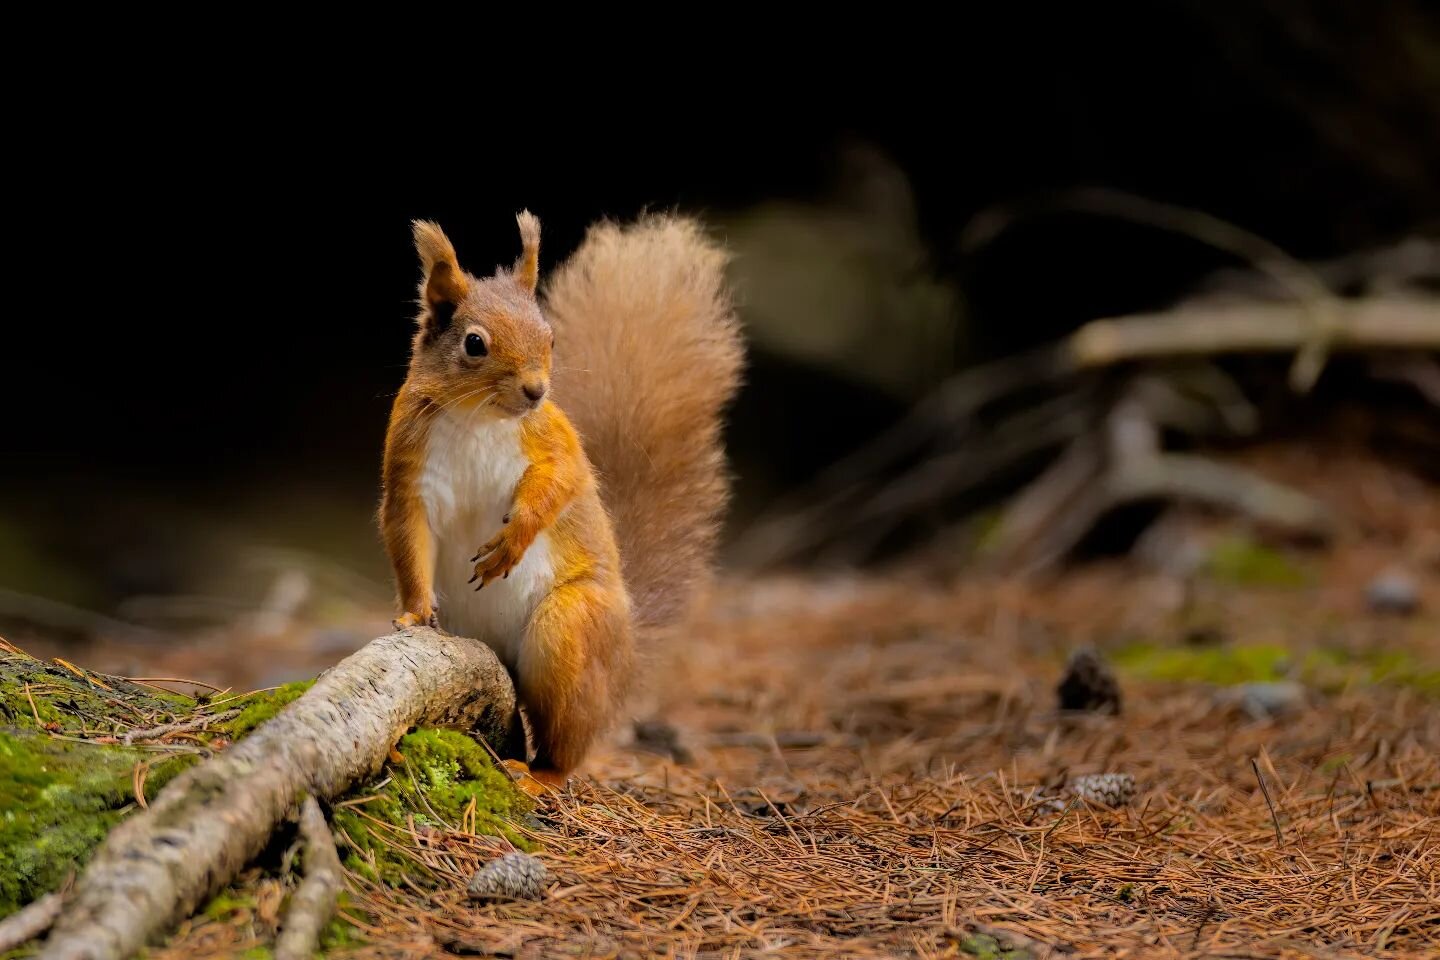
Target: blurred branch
pixel 1397 323
pixel 1407 266
pixel 1105 446
pixel 1054 513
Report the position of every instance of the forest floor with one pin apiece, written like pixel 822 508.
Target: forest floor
pixel 876 766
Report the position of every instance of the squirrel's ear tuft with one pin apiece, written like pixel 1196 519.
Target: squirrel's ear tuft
pixel 444 282
pixel 527 268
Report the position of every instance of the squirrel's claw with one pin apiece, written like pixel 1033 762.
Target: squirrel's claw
pixel 497 558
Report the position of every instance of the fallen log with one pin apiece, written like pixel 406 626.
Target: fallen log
pixel 159 866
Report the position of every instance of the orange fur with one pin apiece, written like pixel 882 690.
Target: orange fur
pixel 527 268
pixel 557 472
pixel 649 354
pixel 444 280
pixel 402 517
pixel 654 354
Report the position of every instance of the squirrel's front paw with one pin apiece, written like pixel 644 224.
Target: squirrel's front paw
pixel 408 619
pixel 498 557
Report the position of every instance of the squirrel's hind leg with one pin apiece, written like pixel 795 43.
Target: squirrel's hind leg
pixel 573 672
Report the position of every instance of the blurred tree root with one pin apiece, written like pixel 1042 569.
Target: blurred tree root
pixel 1092 423
pixel 159 864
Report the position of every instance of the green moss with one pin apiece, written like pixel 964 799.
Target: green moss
pixel 259 707
pixel 986 947
pixel 58 799
pixel 443 773
pixel 226 903
pixel 1243 561
pixel 1328 669
pixel 258 953
pixel 30 687
pixel 1402 668
pixel 338 934
pixel 1223 665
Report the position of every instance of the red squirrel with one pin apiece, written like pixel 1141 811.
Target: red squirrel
pixel 563 515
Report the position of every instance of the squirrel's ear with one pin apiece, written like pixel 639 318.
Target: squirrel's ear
pixel 444 281
pixel 527 268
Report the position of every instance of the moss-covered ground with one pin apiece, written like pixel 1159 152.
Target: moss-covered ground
pixel 67 777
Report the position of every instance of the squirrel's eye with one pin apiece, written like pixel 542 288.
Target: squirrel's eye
pixel 552 341
pixel 475 345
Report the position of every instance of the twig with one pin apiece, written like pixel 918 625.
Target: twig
pixel 33 710
pixel 149 681
pixel 30 921
pixel 314 902
pixel 138 775
pixel 82 674
pixel 1393 323
pixel 182 726
pixel 1265 789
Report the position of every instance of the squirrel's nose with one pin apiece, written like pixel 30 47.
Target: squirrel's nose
pixel 534 390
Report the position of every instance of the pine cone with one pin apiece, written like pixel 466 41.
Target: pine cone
pixel 1104 789
pixel 1089 684
pixel 516 875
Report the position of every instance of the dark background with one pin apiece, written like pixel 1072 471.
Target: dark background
pixel 209 277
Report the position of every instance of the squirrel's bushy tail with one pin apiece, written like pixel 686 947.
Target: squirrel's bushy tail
pixel 648 354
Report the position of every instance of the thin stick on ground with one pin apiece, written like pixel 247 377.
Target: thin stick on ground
pixel 314 903
pixel 182 726
pixel 31 921
pixel 158 867
pixel 1265 789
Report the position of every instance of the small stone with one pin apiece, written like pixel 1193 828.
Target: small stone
pixel 1265 700
pixel 1105 789
pixel 1395 592
pixel 515 875
pixel 1089 684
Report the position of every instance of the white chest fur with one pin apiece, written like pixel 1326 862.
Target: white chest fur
pixel 472 466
